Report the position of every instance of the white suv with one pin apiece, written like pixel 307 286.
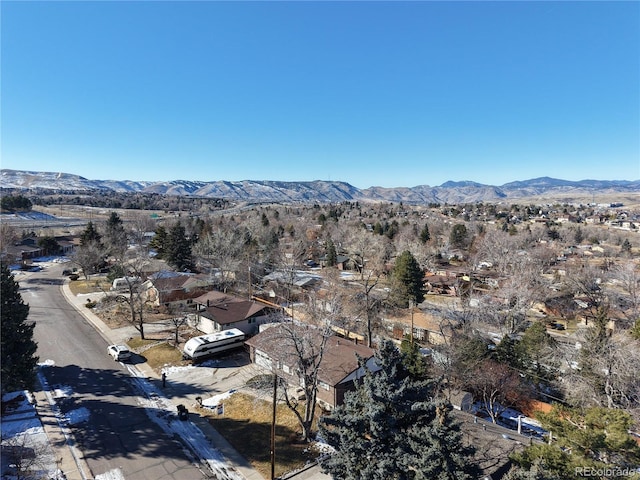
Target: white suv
pixel 119 352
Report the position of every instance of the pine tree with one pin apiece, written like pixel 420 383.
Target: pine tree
pixel 49 244
pixel 388 428
pixel 115 237
pixel 159 242
pixel 332 256
pixel 415 363
pixel 407 280
pixel 425 236
pixel 596 438
pixel 90 235
pixel 17 348
pixel 458 236
pixel 178 252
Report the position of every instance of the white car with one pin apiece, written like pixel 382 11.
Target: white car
pixel 119 353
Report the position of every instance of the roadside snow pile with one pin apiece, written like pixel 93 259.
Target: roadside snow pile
pixel 213 402
pixel 76 416
pixel 19 415
pixel 61 391
pixel 170 370
pixel 163 412
pixel 115 474
pixel 26 452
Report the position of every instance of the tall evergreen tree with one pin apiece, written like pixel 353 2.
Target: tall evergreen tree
pixel 115 236
pixel 415 363
pixel 407 280
pixel 159 242
pixel 458 236
pixel 590 439
pixel 425 236
pixel 90 235
pixel 332 256
pixel 49 244
pixel 388 428
pixel 178 252
pixel 17 348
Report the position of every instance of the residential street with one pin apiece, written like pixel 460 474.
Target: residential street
pixel 99 411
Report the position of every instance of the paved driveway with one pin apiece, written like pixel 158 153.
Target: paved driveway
pixel 211 378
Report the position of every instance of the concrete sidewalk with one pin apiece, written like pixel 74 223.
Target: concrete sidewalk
pixel 69 456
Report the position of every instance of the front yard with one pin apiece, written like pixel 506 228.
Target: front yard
pixel 246 424
pixel 246 421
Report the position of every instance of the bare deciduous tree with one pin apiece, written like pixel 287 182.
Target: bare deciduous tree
pixel 28 458
pixel 88 257
pixel 369 253
pixel 607 370
pixel 497 387
pixel 627 277
pixel 8 236
pixel 301 348
pixel 221 249
pixel 133 294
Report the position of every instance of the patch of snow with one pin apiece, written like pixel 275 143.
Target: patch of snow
pixel 322 447
pixel 21 427
pixel 21 418
pixel 62 391
pixel 78 415
pixel 169 370
pixel 213 402
pixel 47 363
pixel 115 474
pixel 163 413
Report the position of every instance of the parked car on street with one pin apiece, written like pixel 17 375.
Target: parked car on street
pixel 120 353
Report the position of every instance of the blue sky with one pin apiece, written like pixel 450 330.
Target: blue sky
pixel 372 93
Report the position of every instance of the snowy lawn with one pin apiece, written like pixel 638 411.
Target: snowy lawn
pixel 26 452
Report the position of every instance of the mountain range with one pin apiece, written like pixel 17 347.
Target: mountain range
pixel 329 191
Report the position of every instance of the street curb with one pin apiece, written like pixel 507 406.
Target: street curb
pixel 70 461
pixel 239 463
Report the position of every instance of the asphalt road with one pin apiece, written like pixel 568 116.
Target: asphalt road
pixel 96 394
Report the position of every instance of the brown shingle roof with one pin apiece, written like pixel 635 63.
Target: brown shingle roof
pixel 339 360
pixel 225 309
pixel 231 312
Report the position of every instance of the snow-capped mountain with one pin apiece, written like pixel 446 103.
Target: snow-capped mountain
pixel 321 191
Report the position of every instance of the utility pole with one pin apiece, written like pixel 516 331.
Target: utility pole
pixel 273 427
pixel 411 334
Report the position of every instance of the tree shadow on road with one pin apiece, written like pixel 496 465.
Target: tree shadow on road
pixel 113 414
